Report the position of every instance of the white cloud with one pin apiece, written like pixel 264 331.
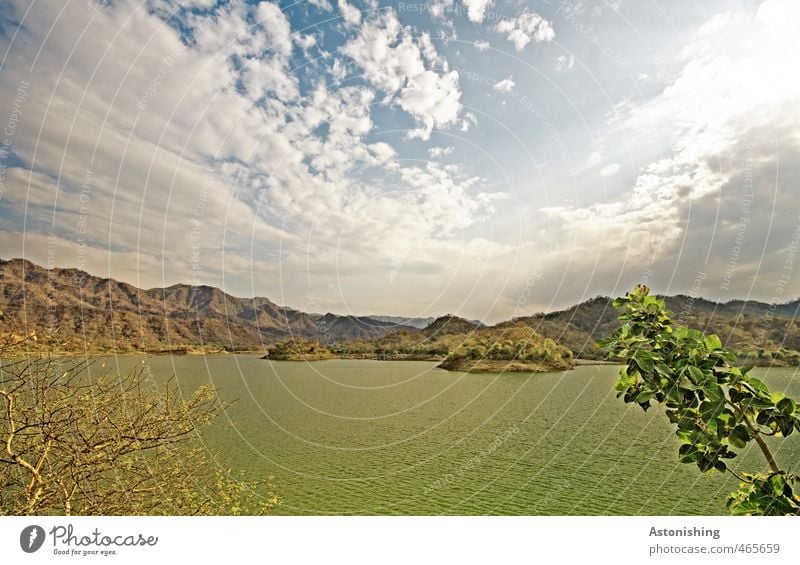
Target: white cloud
pixel 322 5
pixel 609 170
pixel 481 45
pixel 433 99
pixel 468 121
pixel 476 9
pixel 409 69
pixel 305 42
pixel 526 27
pixel 505 85
pixel 351 14
pixel 435 152
pixel 439 8
pixel 295 181
pixel 276 25
pixel 734 81
pixel 564 62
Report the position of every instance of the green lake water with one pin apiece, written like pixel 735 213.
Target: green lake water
pixel 373 437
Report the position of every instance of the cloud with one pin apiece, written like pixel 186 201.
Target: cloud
pixel 481 45
pixel 526 27
pixel 408 69
pixel 439 8
pixel 564 63
pixel 322 5
pixel 731 90
pixel 476 9
pixel 505 85
pixel 435 152
pixel 351 14
pixel 609 170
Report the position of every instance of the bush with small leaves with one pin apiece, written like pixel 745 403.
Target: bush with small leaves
pixel 73 444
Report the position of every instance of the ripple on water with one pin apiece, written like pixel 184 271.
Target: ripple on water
pixel 361 437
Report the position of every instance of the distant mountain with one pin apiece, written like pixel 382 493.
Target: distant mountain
pixel 449 325
pixel 756 330
pixel 104 314
pixel 419 323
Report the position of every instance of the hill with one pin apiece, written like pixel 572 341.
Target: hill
pixel 101 314
pixel 760 333
pixel 419 323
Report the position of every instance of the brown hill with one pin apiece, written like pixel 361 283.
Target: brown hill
pixel 84 311
pixel 760 332
pixel 449 325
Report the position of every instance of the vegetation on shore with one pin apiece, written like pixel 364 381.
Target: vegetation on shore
pixel 717 407
pixel 298 350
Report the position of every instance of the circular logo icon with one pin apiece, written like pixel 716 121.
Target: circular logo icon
pixel 31 539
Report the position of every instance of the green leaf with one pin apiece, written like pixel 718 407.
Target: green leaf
pixel 777 484
pixel 764 418
pixel 758 385
pixel 787 406
pixel 712 342
pixel 715 393
pixel 709 410
pixel 645 396
pixel 644 359
pixel 785 425
pixel 739 436
pixel 738 396
pixel 687 384
pixel 696 375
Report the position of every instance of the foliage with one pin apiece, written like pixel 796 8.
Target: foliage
pixel 73 444
pixel 717 407
pixel 298 350
pixel 511 343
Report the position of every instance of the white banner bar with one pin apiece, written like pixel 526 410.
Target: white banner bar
pixel 400 540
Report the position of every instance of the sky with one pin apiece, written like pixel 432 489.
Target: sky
pixel 486 158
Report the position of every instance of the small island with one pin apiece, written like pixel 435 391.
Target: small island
pixel 298 350
pixel 456 344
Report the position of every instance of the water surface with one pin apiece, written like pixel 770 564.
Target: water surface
pixel 373 437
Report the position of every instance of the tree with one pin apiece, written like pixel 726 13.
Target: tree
pixel 71 444
pixel 716 407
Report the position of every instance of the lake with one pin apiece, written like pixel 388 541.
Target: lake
pixel 379 437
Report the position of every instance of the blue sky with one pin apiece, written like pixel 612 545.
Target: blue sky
pixel 486 158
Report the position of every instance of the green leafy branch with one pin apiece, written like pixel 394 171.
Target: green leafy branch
pixel 716 406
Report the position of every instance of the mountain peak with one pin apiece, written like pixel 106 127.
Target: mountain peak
pixel 449 324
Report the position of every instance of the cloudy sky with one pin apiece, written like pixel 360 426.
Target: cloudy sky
pixel 490 158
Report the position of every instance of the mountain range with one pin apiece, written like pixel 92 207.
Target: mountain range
pixel 84 312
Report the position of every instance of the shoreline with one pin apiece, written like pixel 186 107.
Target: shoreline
pixel 477 366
